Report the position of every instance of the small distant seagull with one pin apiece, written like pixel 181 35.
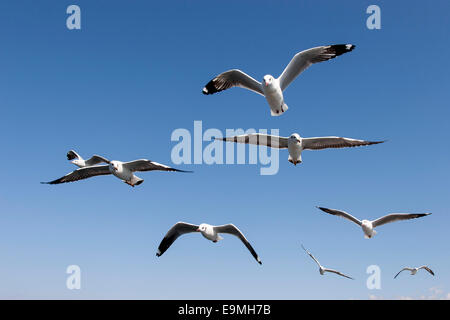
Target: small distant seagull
pixel 80 162
pixel 414 270
pixel 271 88
pixel 296 144
pixel 208 231
pixel 122 170
pixel 322 269
pixel 369 226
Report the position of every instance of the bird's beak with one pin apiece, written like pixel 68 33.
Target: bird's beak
pixel 298 141
pixel 198 230
pixel 266 84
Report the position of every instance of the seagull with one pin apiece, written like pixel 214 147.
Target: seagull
pixel 369 226
pixel 81 163
pixel 208 231
pixel 122 170
pixel 414 270
pixel 296 144
pixel 272 89
pixel 322 269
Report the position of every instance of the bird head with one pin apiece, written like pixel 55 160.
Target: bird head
pixel 114 165
pixel 295 137
pixel 267 80
pixel 202 228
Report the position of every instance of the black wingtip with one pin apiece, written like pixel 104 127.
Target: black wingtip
pixel 343 48
pixel 339 49
pixel 210 88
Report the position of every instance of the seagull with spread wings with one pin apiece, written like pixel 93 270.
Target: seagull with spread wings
pixel 296 144
pixel 322 269
pixel 271 88
pixel 208 231
pixel 414 270
pixel 122 170
pixel 81 163
pixel 368 226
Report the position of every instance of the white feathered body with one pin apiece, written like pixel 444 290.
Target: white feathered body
pixel 209 233
pixel 368 229
pixel 321 270
pixel 118 170
pixel 274 97
pixel 295 151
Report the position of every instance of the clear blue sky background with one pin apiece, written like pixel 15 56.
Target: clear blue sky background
pixel 134 73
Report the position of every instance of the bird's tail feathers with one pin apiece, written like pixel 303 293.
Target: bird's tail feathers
pixel 284 108
pixel 135 181
pixel 374 232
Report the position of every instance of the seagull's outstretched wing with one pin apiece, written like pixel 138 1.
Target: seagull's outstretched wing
pixel 232 78
pixel 304 59
pixel 95 159
pixel 147 165
pixel 428 269
pixel 342 214
pixel 397 217
pixel 232 229
pixel 309 253
pixel 177 230
pixel 334 142
pixel 82 173
pixel 73 155
pixel 409 269
pixel 337 272
pixel 259 139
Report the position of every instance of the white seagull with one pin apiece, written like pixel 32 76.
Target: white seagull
pixel 414 270
pixel 296 144
pixel 272 89
pixel 80 162
pixel 208 231
pixel 122 170
pixel 369 226
pixel 322 269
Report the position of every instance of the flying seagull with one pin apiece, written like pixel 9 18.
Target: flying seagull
pixel 208 231
pixel 80 162
pixel 272 89
pixel 414 270
pixel 296 144
pixel 322 269
pixel 369 226
pixel 122 170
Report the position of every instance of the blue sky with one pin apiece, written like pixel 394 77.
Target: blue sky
pixel 134 73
